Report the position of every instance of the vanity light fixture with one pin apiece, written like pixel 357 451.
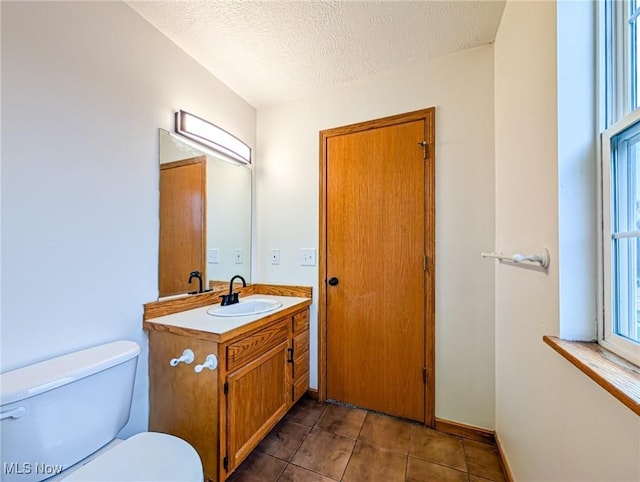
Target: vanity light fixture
pixel 212 136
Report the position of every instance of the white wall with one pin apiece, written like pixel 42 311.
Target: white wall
pixel 85 86
pixel 229 204
pixel 555 424
pixel 460 86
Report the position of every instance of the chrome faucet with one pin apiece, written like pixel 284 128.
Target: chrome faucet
pixel 232 298
pixel 196 274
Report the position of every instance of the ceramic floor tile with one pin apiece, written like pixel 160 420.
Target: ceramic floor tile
pixel 353 445
pixel 438 448
pixel 293 473
pixel 341 420
pixel 324 453
pixel 370 462
pixel 483 460
pixel 258 467
pixel 387 432
pixel 422 471
pixel 284 440
pixel 306 411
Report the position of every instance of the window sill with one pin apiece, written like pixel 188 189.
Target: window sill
pixel 617 376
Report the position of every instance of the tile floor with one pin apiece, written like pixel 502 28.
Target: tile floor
pixel 327 442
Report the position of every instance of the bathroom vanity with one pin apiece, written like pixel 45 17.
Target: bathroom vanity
pixel 246 373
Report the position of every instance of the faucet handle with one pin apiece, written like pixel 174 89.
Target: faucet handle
pixel 226 300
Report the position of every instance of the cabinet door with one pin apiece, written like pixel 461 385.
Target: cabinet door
pixel 257 398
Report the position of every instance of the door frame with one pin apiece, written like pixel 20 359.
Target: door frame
pixel 428 115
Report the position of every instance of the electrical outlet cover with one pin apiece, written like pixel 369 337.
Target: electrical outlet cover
pixel 275 256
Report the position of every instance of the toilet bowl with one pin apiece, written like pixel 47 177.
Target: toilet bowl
pixel 60 418
pixel 147 456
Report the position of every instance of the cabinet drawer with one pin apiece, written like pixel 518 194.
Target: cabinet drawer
pixel 300 344
pixel 246 349
pixel 301 321
pixel 300 365
pixel 300 386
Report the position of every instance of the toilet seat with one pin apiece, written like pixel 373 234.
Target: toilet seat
pixel 147 456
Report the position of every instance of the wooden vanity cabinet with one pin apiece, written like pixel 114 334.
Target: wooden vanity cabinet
pixel 225 413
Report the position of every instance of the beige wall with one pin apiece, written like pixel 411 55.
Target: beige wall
pixel 555 424
pixel 460 86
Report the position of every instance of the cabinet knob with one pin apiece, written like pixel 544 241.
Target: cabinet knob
pixel 333 281
pixel 211 362
pixel 187 357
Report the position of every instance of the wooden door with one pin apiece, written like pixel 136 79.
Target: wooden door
pixel 378 231
pixel 182 224
pixel 258 396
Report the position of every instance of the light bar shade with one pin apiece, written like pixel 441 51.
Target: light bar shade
pixel 212 136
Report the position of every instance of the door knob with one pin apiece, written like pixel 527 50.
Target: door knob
pixel 333 281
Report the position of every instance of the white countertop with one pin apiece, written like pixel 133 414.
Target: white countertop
pixel 199 319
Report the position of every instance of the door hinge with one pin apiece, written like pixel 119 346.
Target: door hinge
pixel 225 463
pixel 424 148
pixel 226 388
pixel 424 374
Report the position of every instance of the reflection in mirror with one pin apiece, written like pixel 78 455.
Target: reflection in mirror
pixel 205 218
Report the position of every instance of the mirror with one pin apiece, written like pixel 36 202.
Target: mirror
pixel 205 217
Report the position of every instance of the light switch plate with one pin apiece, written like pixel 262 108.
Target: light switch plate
pixel 213 256
pixel 308 257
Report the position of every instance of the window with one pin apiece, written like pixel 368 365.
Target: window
pixel 621 180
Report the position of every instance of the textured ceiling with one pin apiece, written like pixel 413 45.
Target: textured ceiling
pixel 274 51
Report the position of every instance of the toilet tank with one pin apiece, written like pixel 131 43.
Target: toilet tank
pixel 58 411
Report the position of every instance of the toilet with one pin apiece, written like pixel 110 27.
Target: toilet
pixel 60 417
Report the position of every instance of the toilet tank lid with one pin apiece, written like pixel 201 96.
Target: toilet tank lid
pixel 31 380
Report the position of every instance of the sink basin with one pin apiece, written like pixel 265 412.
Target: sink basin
pixel 253 306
